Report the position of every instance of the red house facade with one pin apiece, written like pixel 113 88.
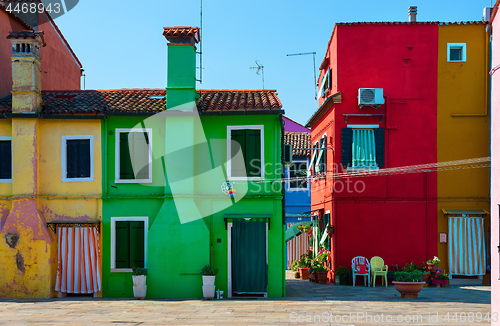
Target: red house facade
pixel 377 110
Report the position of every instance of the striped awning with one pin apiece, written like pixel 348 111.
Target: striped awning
pixel 78 260
pixel 466 247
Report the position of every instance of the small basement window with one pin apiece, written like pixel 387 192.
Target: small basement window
pixel 457 52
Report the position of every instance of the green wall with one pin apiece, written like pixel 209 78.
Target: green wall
pixel 176 252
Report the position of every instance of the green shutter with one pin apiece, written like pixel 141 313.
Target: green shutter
pixel 346 147
pixel 137 244
pixel 253 157
pixel 380 146
pixel 122 244
pixel 126 171
pixel 238 135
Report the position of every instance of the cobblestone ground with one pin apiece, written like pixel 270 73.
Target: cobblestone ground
pixel 305 303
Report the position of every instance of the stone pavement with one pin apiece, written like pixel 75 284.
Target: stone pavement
pixel 305 303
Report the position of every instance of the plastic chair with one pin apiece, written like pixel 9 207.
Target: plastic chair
pixel 361 267
pixel 378 268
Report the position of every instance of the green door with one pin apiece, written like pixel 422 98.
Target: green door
pixel 248 257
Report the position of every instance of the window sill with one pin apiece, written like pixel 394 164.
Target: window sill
pixel 66 180
pixel 457 61
pixel 134 181
pixel 245 179
pixel 5 180
pixel 120 270
pixel 362 169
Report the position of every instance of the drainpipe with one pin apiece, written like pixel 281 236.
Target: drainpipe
pixel 104 156
pixel 283 217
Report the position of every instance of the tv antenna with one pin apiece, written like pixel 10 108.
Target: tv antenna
pixel 201 43
pixel 314 69
pixel 259 69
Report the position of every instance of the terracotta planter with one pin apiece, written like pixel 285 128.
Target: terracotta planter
pixel 297 274
pixel 304 273
pixel 322 277
pixel 426 277
pixel 409 290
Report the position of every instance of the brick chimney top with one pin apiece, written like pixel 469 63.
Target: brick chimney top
pixel 27 34
pixel 182 34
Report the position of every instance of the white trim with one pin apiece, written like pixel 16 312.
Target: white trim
pixel 228 152
pixel 290 189
pixel 144 219
pixel 11 161
pixel 64 167
pixel 462 46
pixel 117 155
pixel 229 267
pixel 321 149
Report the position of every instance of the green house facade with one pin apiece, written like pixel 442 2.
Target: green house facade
pixel 190 178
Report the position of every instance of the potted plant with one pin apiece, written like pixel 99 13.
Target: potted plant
pixel 304 228
pixel 409 284
pixel 440 279
pixel 139 279
pixel 321 272
pixel 342 273
pixel 432 264
pixel 305 264
pixel 208 275
pixel 294 267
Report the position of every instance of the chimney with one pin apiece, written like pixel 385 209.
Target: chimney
pixel 26 71
pixel 181 64
pixel 412 14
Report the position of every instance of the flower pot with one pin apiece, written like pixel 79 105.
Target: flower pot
pixel 426 277
pixel 409 290
pixel 344 280
pixel 208 279
pixel 208 291
pixel 304 273
pixel 322 277
pixel 313 277
pixel 139 279
pixel 297 274
pixel 140 291
pixel 440 282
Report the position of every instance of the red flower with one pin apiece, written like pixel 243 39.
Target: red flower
pixel 432 278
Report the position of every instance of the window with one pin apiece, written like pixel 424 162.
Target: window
pixel 77 158
pixel 297 176
pixel 318 160
pixel 325 83
pixel 133 160
pixel 457 52
pixel 363 147
pixel 251 142
pixel 129 242
pixel 5 159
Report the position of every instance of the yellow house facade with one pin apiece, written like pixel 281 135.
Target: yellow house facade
pixel 54 182
pixel 463 127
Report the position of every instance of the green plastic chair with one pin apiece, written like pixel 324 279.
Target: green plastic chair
pixel 378 269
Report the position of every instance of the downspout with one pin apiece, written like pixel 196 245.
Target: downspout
pixel 283 216
pixel 486 88
pixel 104 141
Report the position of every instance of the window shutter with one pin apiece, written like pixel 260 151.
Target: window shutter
pixel 137 244
pixel 122 244
pixel 346 147
pixel 238 135
pixel 380 146
pixel 126 171
pixel 83 158
pixel 71 158
pixel 6 159
pixel 252 157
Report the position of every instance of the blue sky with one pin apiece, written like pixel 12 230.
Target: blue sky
pixel 120 43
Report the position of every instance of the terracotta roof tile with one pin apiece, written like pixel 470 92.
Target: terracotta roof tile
pixel 182 31
pixel 299 140
pixel 148 101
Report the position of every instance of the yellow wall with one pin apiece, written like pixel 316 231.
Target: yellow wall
pixel 40 196
pixel 462 124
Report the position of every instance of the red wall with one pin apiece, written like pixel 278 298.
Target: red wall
pixel 395 216
pixel 61 69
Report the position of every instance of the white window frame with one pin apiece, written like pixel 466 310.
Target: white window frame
pixel 262 158
pixel 11 159
pixel 351 168
pixel 288 187
pixel 320 153
pixel 462 46
pixel 64 162
pixel 117 155
pixel 312 164
pixel 144 219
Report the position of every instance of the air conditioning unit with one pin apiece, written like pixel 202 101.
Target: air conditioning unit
pixel 371 97
pixel 487 14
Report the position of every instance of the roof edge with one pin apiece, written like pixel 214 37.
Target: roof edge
pixel 327 104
